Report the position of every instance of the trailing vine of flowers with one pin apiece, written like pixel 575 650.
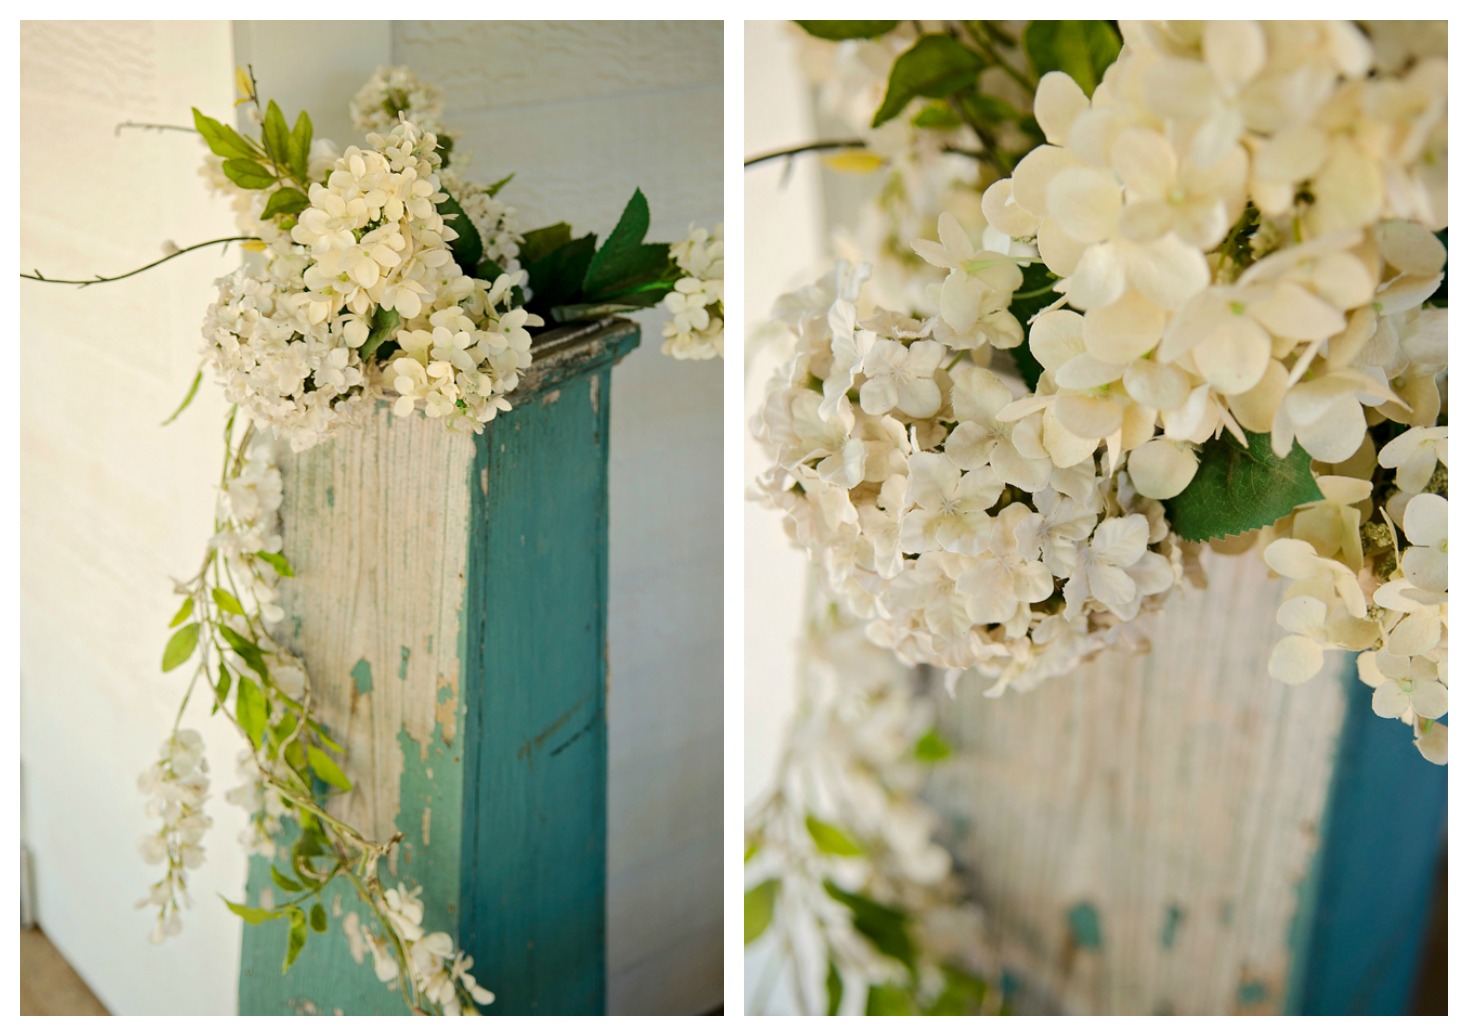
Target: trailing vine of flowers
pixel 374 274
pixel 1128 293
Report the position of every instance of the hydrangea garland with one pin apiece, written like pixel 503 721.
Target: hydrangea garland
pixel 378 275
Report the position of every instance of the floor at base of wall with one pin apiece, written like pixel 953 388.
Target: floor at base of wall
pixel 47 983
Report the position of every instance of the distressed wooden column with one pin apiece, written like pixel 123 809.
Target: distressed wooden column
pixel 450 603
pixel 1176 833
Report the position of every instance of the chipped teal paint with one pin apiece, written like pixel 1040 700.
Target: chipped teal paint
pixel 403 666
pixel 1171 921
pixel 1251 993
pixel 1357 950
pixel 535 850
pixel 1085 926
pixel 330 496
pixel 504 827
pixel 362 676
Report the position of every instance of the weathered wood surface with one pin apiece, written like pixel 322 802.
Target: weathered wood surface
pixel 1144 833
pixel 450 605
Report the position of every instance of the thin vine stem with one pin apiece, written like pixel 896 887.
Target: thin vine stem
pixel 99 279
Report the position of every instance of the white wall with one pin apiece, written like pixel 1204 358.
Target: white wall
pixel 111 504
pixel 585 113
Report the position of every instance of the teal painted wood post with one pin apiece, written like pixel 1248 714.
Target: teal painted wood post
pixel 1365 914
pixel 493 766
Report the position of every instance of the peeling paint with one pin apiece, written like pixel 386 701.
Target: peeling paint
pixel 550 397
pixel 330 496
pixel 403 667
pixel 427 824
pixel 1085 926
pixel 484 479
pixel 595 381
pixel 362 676
pixel 1170 923
pixel 1252 991
pixel 446 712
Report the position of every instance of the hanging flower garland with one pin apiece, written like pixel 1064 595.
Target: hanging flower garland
pixel 377 274
pixel 1123 295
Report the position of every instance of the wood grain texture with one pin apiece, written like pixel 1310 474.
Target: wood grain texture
pixel 450 604
pixel 1140 832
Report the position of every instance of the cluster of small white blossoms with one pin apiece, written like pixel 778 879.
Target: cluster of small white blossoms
pixel 498 224
pixel 1241 219
pixel 696 303
pixel 1376 583
pixel 396 94
pixel 177 786
pixel 853 764
pixel 436 969
pixel 248 518
pixel 966 527
pixel 287 342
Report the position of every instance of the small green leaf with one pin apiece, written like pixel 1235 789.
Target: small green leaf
pixel 287 201
pixel 278 561
pixel 247 650
pixel 937 116
pixel 221 688
pixel 318 917
pixel 289 884
pixel 1034 294
pixel 467 247
pixel 847 30
pixel 327 769
pixel 624 263
pixel 184 611
pixel 832 840
pixel 935 66
pixel 299 151
pixel 1238 489
pixel 250 175
pixel 883 926
pixel 963 994
pixel 542 241
pixel 834 987
pixel 890 999
pixel 180 646
pixel 252 915
pixel 251 710
pixel 759 908
pixel 931 748
pixel 296 941
pixel 193 390
pixel 498 185
pixel 1081 49
pixel 556 278
pixel 385 324
pixel 222 139
pixel 226 601
pixel 321 733
pixel 987 110
pixel 277 136
pixel 752 849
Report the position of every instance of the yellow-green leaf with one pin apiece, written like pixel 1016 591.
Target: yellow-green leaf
pixel 327 769
pixel 250 710
pixel 832 840
pixel 935 66
pixel 759 908
pixel 184 611
pixel 180 646
pixel 226 601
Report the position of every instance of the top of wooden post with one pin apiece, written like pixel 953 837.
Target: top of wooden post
pixel 566 352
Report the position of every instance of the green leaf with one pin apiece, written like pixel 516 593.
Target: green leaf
pixel 832 840
pixel 227 601
pixel 624 263
pixel 963 994
pixel 184 611
pixel 193 390
pixel 467 247
pixel 252 176
pixel 251 710
pixel 321 733
pixel 318 917
pixel 289 884
pixel 542 241
pixel 222 139
pixel 385 323
pixel 1238 489
pixel 1082 50
pixel 252 915
pixel 937 116
pixel 247 650
pixel 278 561
pixel 327 769
pixel 935 66
pixel 1034 294
pixel 556 278
pixel 759 908
pixel 752 849
pixel 498 185
pixel 988 110
pixel 834 987
pixel 287 201
pixel 221 688
pixel 890 999
pixel 180 646
pixel 847 30
pixel 931 748
pixel 883 926
pixel 299 149
pixel 296 941
pixel 277 136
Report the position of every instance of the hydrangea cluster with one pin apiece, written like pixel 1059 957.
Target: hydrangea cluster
pixel 497 223
pixel 696 303
pixel 969 529
pixel 177 786
pixel 393 94
pixel 436 969
pixel 288 342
